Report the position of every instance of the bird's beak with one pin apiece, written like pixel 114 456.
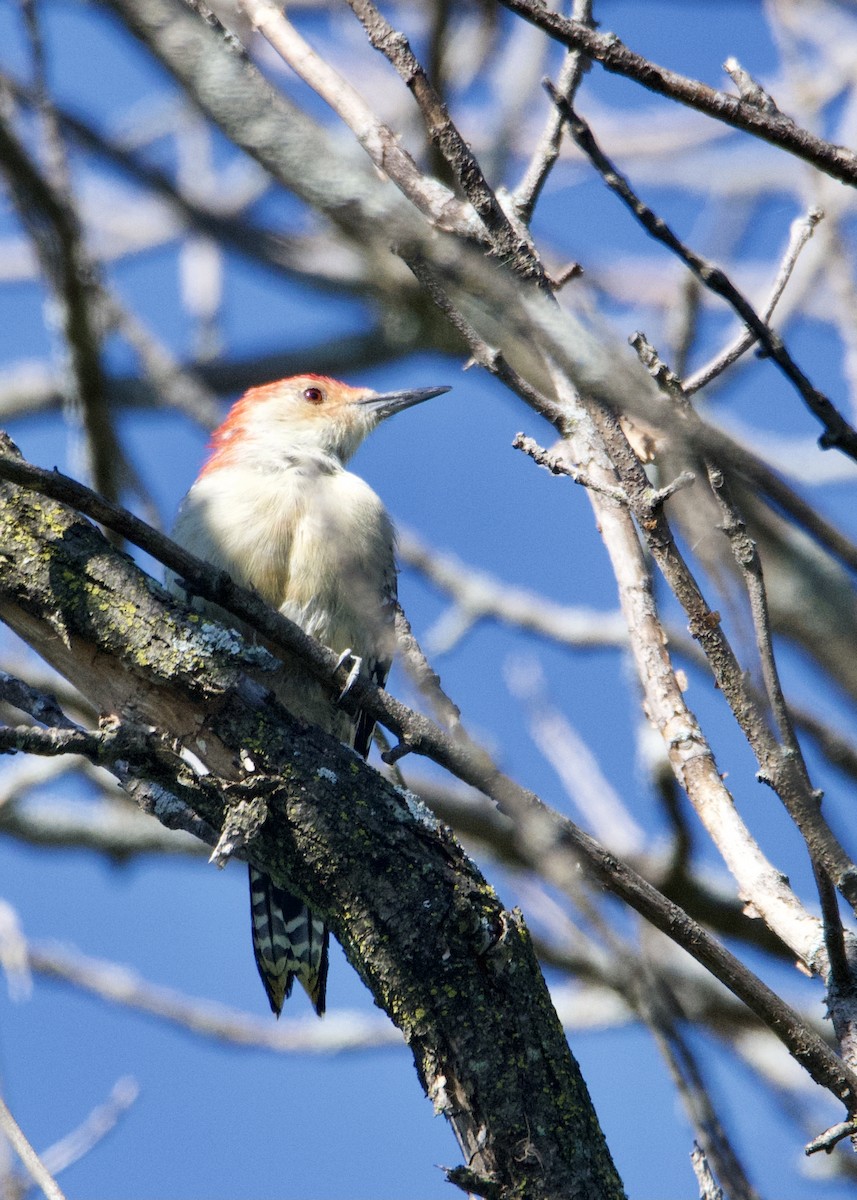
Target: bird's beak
pixel 392 402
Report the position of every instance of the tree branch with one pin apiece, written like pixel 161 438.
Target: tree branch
pixel 614 56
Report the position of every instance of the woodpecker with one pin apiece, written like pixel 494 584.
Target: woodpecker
pixel 275 507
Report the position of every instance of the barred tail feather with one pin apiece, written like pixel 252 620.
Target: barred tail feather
pixel 289 943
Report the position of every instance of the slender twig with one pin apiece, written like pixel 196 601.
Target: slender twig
pixel 509 243
pixel 801 231
pixel 117 831
pixel 421 671
pixel 749 563
pixel 48 211
pixel 575 765
pixel 659 1009
pixel 173 384
pixel 339 356
pixel 35 1167
pixel 486 356
pixel 751 90
pixel 94 1128
pixel 41 707
pixel 831 1137
pixel 478 595
pixel 683 323
pixel 430 196
pixel 546 153
pixel 708 1189
pixel 206 215
pixel 557 465
pixel 103 747
pixel 839 749
pixel 120 985
pixel 838 432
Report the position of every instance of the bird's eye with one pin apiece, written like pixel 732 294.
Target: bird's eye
pixel 314 395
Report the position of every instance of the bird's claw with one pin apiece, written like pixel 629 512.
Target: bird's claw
pixel 352 674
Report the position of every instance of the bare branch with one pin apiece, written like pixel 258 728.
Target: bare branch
pixel 117 984
pixel 57 237
pixel 478 595
pixel 508 242
pixel 801 231
pixel 94 1128
pixel 527 193
pixel 609 51
pixel 837 431
pixel 659 1009
pixel 376 138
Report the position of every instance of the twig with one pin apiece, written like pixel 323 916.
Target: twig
pixel 120 985
pixel 426 678
pixel 708 1189
pixel 41 707
pixel 828 1140
pixel 509 243
pixel 683 323
pixel 94 1128
pixel 750 89
pixel 479 595
pixel 614 56
pixel 487 356
pixel 839 750
pixel 117 831
pixel 574 763
pixel 526 194
pixel 57 237
pixel 747 558
pixel 102 747
pixel 658 1007
pixel 340 355
pixel 175 386
pixel 838 432
pixel 801 231
pixel 430 196
pixel 557 465
pixel 35 1167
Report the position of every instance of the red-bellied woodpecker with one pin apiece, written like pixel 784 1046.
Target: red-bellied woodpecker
pixel 275 507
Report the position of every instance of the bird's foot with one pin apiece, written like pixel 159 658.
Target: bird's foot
pixel 352 674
